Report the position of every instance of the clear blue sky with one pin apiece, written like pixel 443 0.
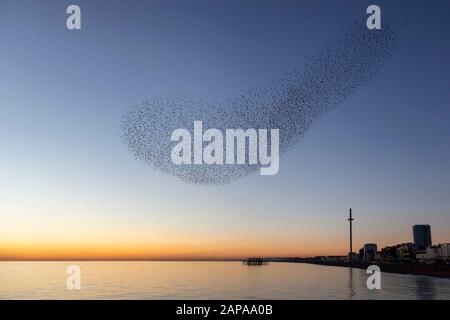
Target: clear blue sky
pixel 67 176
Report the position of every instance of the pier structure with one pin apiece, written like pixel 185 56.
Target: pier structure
pixel 254 261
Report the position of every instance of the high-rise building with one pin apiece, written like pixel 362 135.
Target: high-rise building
pixel 422 236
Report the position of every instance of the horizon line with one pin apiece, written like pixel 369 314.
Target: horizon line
pixel 146 260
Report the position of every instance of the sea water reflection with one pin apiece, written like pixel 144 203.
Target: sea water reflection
pixel 208 280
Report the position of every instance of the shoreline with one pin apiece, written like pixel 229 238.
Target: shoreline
pixel 433 270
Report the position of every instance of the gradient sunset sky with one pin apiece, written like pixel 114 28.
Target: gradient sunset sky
pixel 70 189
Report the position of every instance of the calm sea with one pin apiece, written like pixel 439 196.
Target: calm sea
pixel 208 280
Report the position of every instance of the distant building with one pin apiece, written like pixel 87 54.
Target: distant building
pixel 422 236
pixel 389 254
pixel 361 254
pixel 378 256
pixel 431 255
pixel 439 253
pixel 370 251
pixel 444 251
pixel 405 251
pixel 353 257
pixel 421 257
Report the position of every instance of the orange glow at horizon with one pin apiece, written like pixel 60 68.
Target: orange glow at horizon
pixel 198 249
pixel 90 237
